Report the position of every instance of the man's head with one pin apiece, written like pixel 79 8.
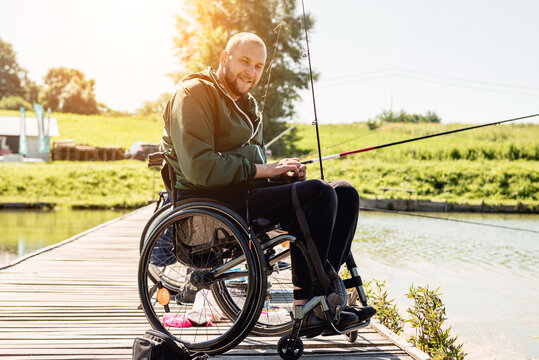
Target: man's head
pixel 241 64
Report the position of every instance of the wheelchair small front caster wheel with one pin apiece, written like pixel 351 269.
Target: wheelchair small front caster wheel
pixel 351 336
pixel 290 347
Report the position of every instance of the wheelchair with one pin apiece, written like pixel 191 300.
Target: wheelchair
pixel 209 278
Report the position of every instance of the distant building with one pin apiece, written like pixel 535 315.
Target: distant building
pixel 10 132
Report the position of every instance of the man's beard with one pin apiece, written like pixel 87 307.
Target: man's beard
pixel 232 83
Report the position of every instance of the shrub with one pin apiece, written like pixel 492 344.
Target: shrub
pixel 427 318
pixel 14 103
pixel 386 310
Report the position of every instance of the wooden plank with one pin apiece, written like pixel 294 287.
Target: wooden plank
pixel 80 300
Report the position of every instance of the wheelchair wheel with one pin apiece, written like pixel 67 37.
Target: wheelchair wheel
pixel 274 319
pixel 352 301
pixel 188 256
pixel 154 220
pixel 290 347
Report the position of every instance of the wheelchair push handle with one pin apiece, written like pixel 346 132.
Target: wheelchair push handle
pixel 155 160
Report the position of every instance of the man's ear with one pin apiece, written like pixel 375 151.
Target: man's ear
pixel 223 58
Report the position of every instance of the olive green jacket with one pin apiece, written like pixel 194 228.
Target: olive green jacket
pixel 208 139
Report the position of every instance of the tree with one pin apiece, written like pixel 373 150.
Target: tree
pixel 388 116
pixel 154 107
pixel 204 29
pixel 14 103
pixel 67 90
pixel 11 74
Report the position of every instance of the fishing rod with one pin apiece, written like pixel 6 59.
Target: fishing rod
pixel 335 156
pixel 315 122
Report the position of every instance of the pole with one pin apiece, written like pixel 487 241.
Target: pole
pixel 335 156
pixel 315 122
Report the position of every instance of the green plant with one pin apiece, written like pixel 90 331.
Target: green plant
pixel 386 310
pixel 373 124
pixel 14 103
pixel 427 318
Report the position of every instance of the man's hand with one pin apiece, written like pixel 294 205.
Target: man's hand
pixel 286 168
pixel 301 175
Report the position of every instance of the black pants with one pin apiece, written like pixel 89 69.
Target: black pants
pixel 331 209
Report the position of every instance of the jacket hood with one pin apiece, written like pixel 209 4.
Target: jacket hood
pixel 207 74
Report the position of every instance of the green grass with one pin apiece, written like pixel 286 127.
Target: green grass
pixel 119 184
pixel 97 130
pixel 463 181
pixel 501 142
pixel 495 165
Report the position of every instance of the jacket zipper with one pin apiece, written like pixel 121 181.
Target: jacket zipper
pixel 254 132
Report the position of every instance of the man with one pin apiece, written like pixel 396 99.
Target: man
pixel 213 140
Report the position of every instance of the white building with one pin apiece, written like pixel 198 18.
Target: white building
pixel 10 132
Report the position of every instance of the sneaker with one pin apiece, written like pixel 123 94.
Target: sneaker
pixel 312 325
pixel 346 320
pixel 363 313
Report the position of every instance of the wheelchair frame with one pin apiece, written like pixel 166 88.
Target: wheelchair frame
pixel 257 260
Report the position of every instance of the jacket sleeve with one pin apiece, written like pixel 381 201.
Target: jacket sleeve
pixel 192 133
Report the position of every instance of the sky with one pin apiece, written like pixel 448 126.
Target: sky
pixel 468 61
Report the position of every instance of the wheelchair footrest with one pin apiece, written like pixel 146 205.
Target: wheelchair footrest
pixel 332 331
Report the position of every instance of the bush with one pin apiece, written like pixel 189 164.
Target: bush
pixel 14 103
pixel 373 124
pixel 427 318
pixel 403 117
pixel 386 310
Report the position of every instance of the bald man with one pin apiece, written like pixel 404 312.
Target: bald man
pixel 213 140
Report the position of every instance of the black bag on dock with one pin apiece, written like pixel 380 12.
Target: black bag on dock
pixel 158 346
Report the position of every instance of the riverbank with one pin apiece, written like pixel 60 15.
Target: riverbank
pixel 445 206
pixel 366 204
pixel 463 185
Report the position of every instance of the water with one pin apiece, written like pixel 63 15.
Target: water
pixel 488 276
pixel 25 231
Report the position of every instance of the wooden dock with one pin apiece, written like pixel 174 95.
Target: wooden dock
pixel 79 300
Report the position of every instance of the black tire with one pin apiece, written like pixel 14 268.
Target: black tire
pixel 203 257
pixel 352 300
pixel 290 347
pixel 154 220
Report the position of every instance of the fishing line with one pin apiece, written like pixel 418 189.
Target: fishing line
pixel 448 219
pixel 270 65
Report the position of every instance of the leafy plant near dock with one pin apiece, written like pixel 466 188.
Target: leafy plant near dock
pixel 386 310
pixel 427 316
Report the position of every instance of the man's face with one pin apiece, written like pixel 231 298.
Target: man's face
pixel 243 68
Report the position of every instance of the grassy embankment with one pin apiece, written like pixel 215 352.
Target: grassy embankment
pixel 495 165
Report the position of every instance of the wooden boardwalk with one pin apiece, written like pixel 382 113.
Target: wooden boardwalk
pixel 79 300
